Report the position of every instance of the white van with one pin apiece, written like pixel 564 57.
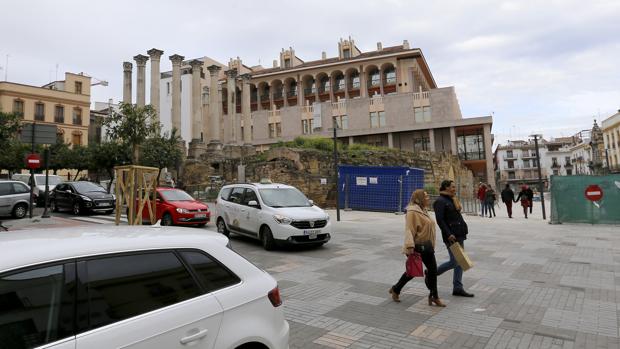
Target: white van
pixel 39 188
pixel 273 213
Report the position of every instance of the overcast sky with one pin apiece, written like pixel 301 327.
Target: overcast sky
pixel 548 67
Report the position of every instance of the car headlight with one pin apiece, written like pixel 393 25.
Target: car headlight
pixel 113 197
pixel 327 218
pixel 282 219
pixel 182 210
pixel 85 198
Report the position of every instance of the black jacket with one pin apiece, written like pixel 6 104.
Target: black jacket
pixel 450 220
pixel 508 195
pixel 529 193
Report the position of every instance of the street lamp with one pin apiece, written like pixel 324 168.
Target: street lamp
pixel 541 187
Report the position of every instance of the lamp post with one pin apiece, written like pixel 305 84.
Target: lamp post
pixel 540 181
pixel 335 124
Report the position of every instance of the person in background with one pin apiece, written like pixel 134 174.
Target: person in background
pixel 508 197
pixel 523 197
pixel 490 200
pixel 482 189
pixel 530 197
pixel 420 237
pixel 453 230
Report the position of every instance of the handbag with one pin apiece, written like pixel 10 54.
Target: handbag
pixel 462 259
pixel 413 265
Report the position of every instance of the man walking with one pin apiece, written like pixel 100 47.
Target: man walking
pixel 453 230
pixel 508 197
pixel 530 196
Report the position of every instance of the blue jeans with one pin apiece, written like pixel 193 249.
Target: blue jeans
pixel 457 279
pixel 483 208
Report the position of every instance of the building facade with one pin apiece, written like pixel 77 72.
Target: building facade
pixel 611 138
pixel 386 97
pixel 65 104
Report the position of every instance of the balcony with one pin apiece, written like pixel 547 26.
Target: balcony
pixel 510 157
pixel 568 165
pixel 555 165
pixel 528 156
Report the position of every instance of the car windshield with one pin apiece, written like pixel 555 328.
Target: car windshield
pixel 284 197
pixel 86 187
pixel 52 180
pixel 175 195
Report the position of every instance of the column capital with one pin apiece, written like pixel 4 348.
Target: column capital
pixel 214 69
pixel 140 60
pixel 245 78
pixel 195 63
pixel 155 54
pixel 127 66
pixel 231 73
pixel 176 59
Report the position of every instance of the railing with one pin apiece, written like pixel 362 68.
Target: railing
pixel 309 91
pixel 324 90
pixel 275 112
pixel 339 105
pixel 376 99
pixel 421 95
pixel 307 109
pixel 291 94
pixel 510 158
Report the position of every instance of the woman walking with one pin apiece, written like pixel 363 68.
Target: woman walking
pixel 420 238
pixel 524 198
pixel 490 201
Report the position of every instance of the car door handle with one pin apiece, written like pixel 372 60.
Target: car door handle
pixel 194 337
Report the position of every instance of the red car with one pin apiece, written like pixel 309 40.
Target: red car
pixel 176 207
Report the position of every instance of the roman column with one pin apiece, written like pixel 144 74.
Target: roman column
pixel 141 79
pixel 127 67
pixel 214 106
pixel 196 102
pixel 231 131
pixel 176 91
pixel 155 55
pixel 246 109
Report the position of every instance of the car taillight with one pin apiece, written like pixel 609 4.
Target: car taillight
pixel 274 297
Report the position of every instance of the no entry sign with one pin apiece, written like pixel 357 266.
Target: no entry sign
pixel 594 192
pixel 33 161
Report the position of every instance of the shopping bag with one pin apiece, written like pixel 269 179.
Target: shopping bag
pixel 413 265
pixel 461 257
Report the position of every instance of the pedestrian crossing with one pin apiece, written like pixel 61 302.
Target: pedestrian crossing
pixel 109 219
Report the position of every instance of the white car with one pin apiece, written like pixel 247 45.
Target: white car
pixel 134 287
pixel 39 185
pixel 273 213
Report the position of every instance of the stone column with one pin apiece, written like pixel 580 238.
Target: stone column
pixel 346 85
pixel 488 154
pixel 230 128
pixel 141 79
pixel 196 102
pixel 431 140
pixel 300 92
pixel 205 114
pixel 363 82
pixel 390 137
pixel 127 67
pixel 453 147
pixel 155 55
pixel 317 84
pixel 381 82
pixel 245 109
pixel 351 140
pixel 214 108
pixel 331 88
pixel 176 91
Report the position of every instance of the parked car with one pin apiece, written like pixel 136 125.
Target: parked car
pixel 134 287
pixel 14 199
pixel 39 185
pixel 176 207
pixel 81 197
pixel 273 213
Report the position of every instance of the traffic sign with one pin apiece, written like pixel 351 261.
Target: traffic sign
pixel 33 161
pixel 594 192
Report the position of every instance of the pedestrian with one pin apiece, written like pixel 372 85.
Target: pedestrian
pixel 453 230
pixel 508 197
pixel 482 189
pixel 523 197
pixel 490 200
pixel 530 197
pixel 420 238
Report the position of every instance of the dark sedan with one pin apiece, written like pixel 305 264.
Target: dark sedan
pixel 81 197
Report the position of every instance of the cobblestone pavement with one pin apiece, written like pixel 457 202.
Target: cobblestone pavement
pixel 536 285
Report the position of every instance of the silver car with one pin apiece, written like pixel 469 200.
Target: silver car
pixel 14 198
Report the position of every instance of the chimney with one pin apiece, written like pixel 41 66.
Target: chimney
pixel 379 46
pixel 275 63
pixel 323 55
pixel 406 44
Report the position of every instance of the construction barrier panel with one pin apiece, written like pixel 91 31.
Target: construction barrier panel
pixel 573 199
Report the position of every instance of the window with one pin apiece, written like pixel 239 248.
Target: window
pixel 325 85
pixel 19 188
pixel 374 120
pixel 569 172
pixel 39 112
pixel 422 114
pixel 554 162
pixel 346 53
pixel 511 164
pixel 375 78
pixel 287 63
pixel 526 163
pixel 421 142
pixel 275 129
pixel 76 139
pixel 236 195
pixel 225 193
pixel 59 114
pixel 355 80
pixel 77 116
pixel 470 145
pixel 390 76
pixel 212 275
pixel 18 107
pixel 556 172
pixel 125 286
pixel 36 306
pixel 5 189
pixel 340 83
pixel 78 87
pixel 249 196
pixel 306 126
pixel 511 175
pixel 509 154
pixel 342 121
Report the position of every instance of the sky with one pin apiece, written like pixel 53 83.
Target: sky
pixel 547 67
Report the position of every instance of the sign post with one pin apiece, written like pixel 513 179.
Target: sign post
pixel 593 193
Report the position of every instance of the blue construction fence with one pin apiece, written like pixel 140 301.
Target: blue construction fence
pixel 377 188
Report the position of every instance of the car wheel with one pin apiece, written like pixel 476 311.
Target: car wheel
pixel 266 237
pixel 77 210
pixel 221 227
pixel 20 210
pixel 53 206
pixel 166 219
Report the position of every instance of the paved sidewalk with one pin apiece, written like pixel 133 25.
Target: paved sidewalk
pixel 537 286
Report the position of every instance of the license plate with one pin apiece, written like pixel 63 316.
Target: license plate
pixel 103 203
pixel 312 233
pixel 200 215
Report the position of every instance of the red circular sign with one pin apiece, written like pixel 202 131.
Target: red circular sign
pixel 33 161
pixel 594 192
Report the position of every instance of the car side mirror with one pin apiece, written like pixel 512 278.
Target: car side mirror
pixel 253 203
pixel 311 202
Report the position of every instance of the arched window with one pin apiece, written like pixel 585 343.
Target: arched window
pixel 390 76
pixel 340 83
pixel 325 84
pixel 375 78
pixel 355 80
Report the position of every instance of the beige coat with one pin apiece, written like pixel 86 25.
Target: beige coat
pixel 419 227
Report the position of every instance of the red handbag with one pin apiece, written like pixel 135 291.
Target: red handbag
pixel 413 265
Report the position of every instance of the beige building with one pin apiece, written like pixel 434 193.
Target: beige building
pixel 611 138
pixel 63 103
pixel 385 97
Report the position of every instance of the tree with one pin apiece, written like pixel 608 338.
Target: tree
pixel 106 155
pixel 13 155
pixel 79 159
pixel 9 125
pixel 162 151
pixel 60 155
pixel 132 125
